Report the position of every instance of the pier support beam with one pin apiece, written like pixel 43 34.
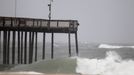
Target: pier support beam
pixel 8 48
pixel 22 47
pixel 52 46
pixel 18 47
pixel 13 47
pixel 69 44
pixel 44 43
pixel 32 50
pixel 25 51
pixel 0 41
pixel 0 46
pixel 31 41
pixel 76 42
pixel 29 47
pixel 5 47
pixel 36 40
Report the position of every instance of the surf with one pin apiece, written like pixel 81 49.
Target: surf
pixel 112 64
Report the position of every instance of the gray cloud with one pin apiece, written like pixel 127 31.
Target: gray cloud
pixel 100 20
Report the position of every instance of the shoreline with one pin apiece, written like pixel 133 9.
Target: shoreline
pixel 33 73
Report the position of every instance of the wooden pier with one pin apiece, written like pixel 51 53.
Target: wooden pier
pixel 24 31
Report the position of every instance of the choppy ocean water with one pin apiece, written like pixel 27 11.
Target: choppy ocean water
pixel 103 59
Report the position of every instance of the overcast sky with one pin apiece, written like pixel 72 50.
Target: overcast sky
pixel 103 21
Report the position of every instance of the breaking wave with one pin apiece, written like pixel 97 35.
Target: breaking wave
pixel 113 46
pixel 112 64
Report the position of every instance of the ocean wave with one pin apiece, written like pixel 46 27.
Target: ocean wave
pixel 112 64
pixel 65 65
pixel 113 46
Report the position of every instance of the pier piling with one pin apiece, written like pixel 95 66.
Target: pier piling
pixel 69 44
pixel 44 43
pixel 25 51
pixel 0 46
pixel 52 46
pixel 32 47
pixel 36 40
pixel 8 48
pixel 21 56
pixel 76 42
pixel 18 47
pixel 29 47
pixel 4 47
pixel 13 47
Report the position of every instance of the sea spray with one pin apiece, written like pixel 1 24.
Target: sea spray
pixel 112 64
pixel 113 46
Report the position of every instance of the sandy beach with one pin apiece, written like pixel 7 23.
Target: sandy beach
pixel 30 73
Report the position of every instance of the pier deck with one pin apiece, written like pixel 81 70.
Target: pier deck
pixel 39 25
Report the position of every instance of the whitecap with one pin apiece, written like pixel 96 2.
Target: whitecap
pixel 112 64
pixel 113 46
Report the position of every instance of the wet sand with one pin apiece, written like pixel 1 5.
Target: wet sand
pixel 30 73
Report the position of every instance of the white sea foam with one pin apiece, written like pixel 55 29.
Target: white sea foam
pixel 113 46
pixel 111 65
pixel 21 73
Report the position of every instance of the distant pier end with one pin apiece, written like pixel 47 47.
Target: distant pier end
pixel 25 32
